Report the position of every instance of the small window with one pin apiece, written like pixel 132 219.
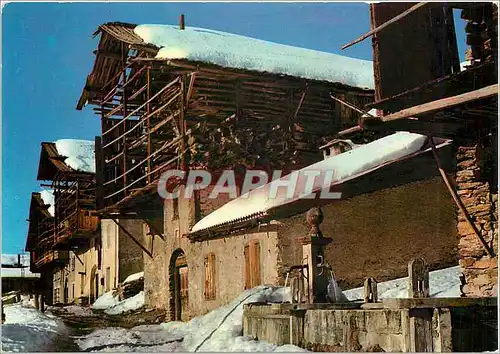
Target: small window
pixel 175 209
pixel 209 277
pixel 82 283
pixel 252 265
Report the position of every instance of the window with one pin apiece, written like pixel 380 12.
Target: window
pixel 209 277
pixel 73 295
pixel 108 278
pixel 252 264
pixel 73 263
pixel 175 209
pixel 82 283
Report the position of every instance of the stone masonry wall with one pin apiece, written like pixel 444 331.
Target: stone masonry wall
pixel 376 234
pixel 480 272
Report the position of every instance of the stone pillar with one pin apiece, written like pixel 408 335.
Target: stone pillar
pixel 313 254
pixel 481 200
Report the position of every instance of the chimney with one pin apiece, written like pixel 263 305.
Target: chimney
pixel 19 259
pixel 181 22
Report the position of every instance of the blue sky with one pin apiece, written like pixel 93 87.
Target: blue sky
pixel 47 54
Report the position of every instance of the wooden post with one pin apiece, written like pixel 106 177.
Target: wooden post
pixel 37 302
pixel 42 304
pixel 371 294
pixel 418 278
pixel 182 24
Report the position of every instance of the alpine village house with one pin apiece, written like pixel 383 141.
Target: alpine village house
pixel 176 97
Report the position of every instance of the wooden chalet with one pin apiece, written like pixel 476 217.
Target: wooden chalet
pixel 74 199
pixel 40 238
pixel 160 113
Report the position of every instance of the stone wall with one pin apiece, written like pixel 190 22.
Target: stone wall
pixel 377 234
pixel 480 197
pixel 229 257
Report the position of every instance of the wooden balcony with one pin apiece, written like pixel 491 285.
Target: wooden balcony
pixel 51 258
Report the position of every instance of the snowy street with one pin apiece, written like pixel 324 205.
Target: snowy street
pixel 27 329
pixel 106 328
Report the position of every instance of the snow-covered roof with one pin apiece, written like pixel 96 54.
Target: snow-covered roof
pixel 240 52
pixel 47 196
pixel 11 259
pixel 344 167
pixel 17 273
pixel 79 154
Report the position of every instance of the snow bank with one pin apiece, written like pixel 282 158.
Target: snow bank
pixel 113 306
pixel 47 196
pixel 221 330
pixel 132 303
pixel 235 51
pixel 442 283
pixel 79 154
pixel 133 277
pixel 28 330
pixel 106 301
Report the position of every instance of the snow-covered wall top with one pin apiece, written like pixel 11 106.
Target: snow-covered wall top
pixel 235 51
pixel 79 154
pixel 47 196
pixel 345 166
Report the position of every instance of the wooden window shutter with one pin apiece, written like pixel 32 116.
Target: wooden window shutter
pixel 184 282
pixel 256 264
pixel 210 289
pixel 246 253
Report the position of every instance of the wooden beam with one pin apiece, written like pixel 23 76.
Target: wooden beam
pixel 385 24
pixel 351 106
pixel 458 201
pixel 133 238
pixel 448 102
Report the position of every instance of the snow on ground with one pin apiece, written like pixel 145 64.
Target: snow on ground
pixel 132 303
pixel 79 154
pixel 28 330
pixel 218 330
pixel 133 277
pixel 113 306
pixel 235 51
pixel 151 338
pixel 47 196
pixel 106 301
pixel 442 283
pixel 78 310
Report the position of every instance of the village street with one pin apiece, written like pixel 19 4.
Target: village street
pixel 78 328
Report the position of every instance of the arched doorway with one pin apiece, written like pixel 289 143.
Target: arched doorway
pixel 94 284
pixel 178 275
